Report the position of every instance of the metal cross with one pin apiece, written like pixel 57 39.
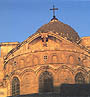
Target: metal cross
pixel 54 10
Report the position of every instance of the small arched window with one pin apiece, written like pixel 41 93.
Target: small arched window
pixel 79 78
pixel 15 86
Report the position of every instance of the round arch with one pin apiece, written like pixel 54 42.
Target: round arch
pixel 28 81
pixel 65 75
pixel 79 78
pixel 15 86
pixel 45 82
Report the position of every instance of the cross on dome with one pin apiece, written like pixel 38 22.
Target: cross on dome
pixel 54 9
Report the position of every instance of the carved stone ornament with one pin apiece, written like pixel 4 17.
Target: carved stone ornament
pixel 44 37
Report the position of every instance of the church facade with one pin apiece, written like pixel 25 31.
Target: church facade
pixel 52 56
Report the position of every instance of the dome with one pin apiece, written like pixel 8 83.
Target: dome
pixel 62 29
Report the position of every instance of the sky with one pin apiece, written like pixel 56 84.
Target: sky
pixel 21 18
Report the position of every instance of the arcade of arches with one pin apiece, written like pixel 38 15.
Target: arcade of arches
pixel 45 83
pixel 53 56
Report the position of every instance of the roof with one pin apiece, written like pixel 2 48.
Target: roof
pixel 8 43
pixel 62 29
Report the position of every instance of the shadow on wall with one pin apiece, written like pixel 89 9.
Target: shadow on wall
pixel 75 90
pixel 70 90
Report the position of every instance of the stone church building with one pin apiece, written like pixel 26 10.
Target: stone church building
pixel 52 56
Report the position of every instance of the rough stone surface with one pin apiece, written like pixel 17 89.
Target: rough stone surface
pixel 62 29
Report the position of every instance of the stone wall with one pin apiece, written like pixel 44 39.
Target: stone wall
pixel 3 92
pixel 85 41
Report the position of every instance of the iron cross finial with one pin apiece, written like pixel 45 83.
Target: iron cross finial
pixel 54 11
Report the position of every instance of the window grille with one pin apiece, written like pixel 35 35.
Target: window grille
pixel 45 57
pixel 45 82
pixel 79 78
pixel 15 86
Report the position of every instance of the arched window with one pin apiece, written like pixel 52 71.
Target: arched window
pixel 45 82
pixel 15 86
pixel 79 78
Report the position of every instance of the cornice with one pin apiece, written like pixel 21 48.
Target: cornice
pixel 36 35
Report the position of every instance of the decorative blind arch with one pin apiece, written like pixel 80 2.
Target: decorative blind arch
pixel 71 59
pixel 54 58
pixel 35 60
pixel 15 86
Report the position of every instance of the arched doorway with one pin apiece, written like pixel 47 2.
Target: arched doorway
pixel 79 78
pixel 15 86
pixel 45 82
